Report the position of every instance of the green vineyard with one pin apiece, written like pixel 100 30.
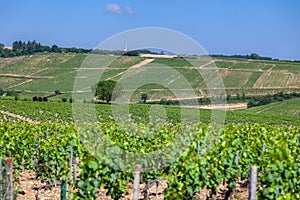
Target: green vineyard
pixel 275 150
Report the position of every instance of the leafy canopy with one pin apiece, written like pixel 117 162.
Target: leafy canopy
pixel 107 90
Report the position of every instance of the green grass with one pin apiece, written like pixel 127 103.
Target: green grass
pixel 235 78
pixel 239 75
pixel 286 112
pixel 274 79
pixel 252 79
pixel 285 108
pixel 172 62
pixel 125 61
pixel 63 80
pixel 295 67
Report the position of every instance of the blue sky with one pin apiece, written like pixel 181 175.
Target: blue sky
pixel 267 27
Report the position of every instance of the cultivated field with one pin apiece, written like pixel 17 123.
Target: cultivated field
pixel 44 73
pixel 210 161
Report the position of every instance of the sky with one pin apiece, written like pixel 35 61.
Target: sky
pixel 267 27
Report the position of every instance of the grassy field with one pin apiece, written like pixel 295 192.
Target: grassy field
pixel 285 108
pixel 287 112
pixel 43 73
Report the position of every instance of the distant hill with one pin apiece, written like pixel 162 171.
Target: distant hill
pixel 43 73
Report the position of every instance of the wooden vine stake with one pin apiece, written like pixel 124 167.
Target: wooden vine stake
pixel 71 170
pixel 253 183
pixel 1 190
pixel 9 179
pixel 136 182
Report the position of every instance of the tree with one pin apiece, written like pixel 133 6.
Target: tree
pixel 228 97
pixel 46 49
pixel 144 97
pixel 107 90
pixel 254 56
pixel 57 92
pixel 238 96
pixel 163 101
pixel 11 93
pixel 243 96
pixel 55 49
pixel 35 98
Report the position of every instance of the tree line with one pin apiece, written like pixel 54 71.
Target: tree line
pixel 20 48
pixel 254 56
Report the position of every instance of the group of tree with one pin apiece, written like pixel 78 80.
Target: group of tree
pixel 10 93
pixel 138 52
pixel 253 56
pixel 254 101
pixel 40 99
pixel 109 90
pixel 20 48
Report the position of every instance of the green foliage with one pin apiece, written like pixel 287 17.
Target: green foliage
pixel 57 92
pixel 61 112
pixel 144 97
pixel 48 146
pixel 173 62
pixel 107 90
pixel 55 49
pixel 254 56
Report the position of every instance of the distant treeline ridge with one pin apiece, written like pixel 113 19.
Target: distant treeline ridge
pixel 20 48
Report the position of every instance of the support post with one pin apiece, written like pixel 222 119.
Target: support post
pixel 136 182
pixel 253 183
pixel 71 170
pixel 63 190
pixel 74 173
pixel 9 179
pixel 263 147
pixel 1 181
pixel 198 147
pixel 236 159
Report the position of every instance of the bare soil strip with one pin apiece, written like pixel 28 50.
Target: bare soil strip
pixel 20 84
pixel 25 76
pixel 144 62
pixel 28 184
pixel 26 119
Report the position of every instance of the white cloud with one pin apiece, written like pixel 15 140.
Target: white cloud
pixel 116 9
pixel 129 10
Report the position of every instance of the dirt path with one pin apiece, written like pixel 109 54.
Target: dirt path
pixel 26 119
pixel 265 109
pixel 27 182
pixel 144 62
pixel 20 84
pixel 24 76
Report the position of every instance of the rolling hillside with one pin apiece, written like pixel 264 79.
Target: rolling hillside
pixel 43 73
pixel 285 108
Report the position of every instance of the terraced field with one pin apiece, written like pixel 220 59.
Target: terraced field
pixel 46 72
